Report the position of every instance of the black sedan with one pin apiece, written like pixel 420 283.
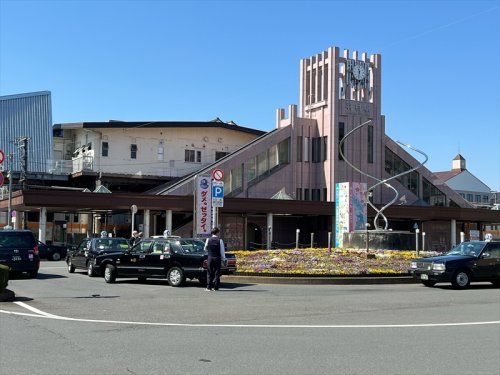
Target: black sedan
pixel 52 252
pixel 89 248
pixel 172 258
pixel 466 262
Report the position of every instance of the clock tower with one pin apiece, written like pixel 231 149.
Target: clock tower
pixel 337 93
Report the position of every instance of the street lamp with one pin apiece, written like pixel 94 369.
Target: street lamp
pixel 417 231
pixel 367 226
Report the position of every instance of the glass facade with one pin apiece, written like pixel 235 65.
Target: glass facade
pixel 394 165
pixel 432 195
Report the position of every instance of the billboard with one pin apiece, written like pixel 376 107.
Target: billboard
pixel 203 209
pixel 350 209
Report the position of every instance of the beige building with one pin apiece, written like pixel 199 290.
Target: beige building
pixel 161 150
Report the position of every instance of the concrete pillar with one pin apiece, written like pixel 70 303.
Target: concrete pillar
pixel 269 230
pixel 147 215
pixel 453 232
pixel 155 222
pixel 245 234
pixel 90 225
pixel 168 220
pixel 42 229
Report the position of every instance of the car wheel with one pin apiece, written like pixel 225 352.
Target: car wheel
pixel 71 267
pixel 429 283
pixel 175 276
pixel 110 274
pixel 56 257
pixel 496 283
pixel 461 279
pixel 90 270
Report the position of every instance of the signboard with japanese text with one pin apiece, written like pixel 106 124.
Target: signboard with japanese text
pixel 203 206
pixel 350 209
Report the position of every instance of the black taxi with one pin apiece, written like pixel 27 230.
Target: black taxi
pixel 173 258
pixel 466 262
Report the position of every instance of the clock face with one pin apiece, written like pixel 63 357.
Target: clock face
pixel 359 72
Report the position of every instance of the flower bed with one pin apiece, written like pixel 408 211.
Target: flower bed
pixel 321 262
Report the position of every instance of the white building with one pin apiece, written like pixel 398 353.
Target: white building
pixel 466 184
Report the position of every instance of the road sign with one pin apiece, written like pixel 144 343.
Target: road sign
pixel 2 178
pixel 217 189
pixel 218 174
pixel 2 156
pixel 217 193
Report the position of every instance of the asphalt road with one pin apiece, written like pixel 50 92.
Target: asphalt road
pixel 71 324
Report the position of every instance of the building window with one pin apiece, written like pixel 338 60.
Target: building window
pixel 325 194
pixel 192 156
pixel 161 151
pixel 470 197
pixel 478 199
pixel 324 149
pixel 273 157
pixel 341 135
pixel 370 145
pixel 133 151
pixel 316 149
pixel 485 199
pixel 316 194
pixel 237 178
pixel 298 195
pixel 262 163
pixel 105 149
pixel 220 155
pixel 251 169
pixel 284 152
pixel 306 194
pixel 299 148
pixel 432 195
pixel 325 92
pixel 394 165
pixel 306 149
pixel 462 195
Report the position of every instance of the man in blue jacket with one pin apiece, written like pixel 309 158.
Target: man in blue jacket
pixel 216 254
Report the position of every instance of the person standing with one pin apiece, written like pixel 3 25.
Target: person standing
pixel 216 254
pixel 134 239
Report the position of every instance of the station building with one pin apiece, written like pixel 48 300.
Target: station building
pixel 284 180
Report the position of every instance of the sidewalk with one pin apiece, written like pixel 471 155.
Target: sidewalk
pixel 340 280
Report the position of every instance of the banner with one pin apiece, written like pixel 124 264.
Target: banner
pixel 203 210
pixel 350 209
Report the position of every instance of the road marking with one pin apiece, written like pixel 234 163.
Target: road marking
pixel 45 315
pixel 35 310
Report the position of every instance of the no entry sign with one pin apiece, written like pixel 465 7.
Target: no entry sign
pixel 218 174
pixel 2 156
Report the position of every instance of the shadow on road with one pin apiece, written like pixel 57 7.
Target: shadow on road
pixel 188 284
pixel 22 299
pixel 40 276
pixel 471 287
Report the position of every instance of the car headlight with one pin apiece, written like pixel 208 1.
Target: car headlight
pixel 438 266
pixel 413 265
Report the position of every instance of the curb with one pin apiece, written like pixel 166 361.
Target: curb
pixel 360 280
pixel 7 296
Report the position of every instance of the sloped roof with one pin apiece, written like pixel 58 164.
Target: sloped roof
pixel 459 157
pixel 446 175
pixel 282 195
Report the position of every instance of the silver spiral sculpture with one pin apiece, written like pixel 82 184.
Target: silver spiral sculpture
pixel 370 190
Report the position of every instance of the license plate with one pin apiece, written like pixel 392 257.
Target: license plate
pixel 424 276
pixel 16 258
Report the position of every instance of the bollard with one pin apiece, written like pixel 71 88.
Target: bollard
pixel 297 239
pixel 423 241
pixel 312 240
pixel 329 242
pixel 462 237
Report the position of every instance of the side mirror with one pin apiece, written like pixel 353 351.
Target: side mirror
pixel 485 255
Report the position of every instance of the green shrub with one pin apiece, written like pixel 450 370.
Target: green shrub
pixel 4 277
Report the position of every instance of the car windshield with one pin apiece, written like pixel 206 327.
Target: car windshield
pixel 468 249
pixel 192 246
pixel 16 239
pixel 118 244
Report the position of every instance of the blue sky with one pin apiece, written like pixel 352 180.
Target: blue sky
pixel 166 60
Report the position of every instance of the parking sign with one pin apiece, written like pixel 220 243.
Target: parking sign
pixel 217 193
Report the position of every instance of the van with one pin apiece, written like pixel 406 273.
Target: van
pixel 19 251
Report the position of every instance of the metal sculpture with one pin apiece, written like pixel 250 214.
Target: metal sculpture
pixel 369 191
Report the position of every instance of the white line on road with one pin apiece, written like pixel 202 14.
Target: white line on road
pixel 56 317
